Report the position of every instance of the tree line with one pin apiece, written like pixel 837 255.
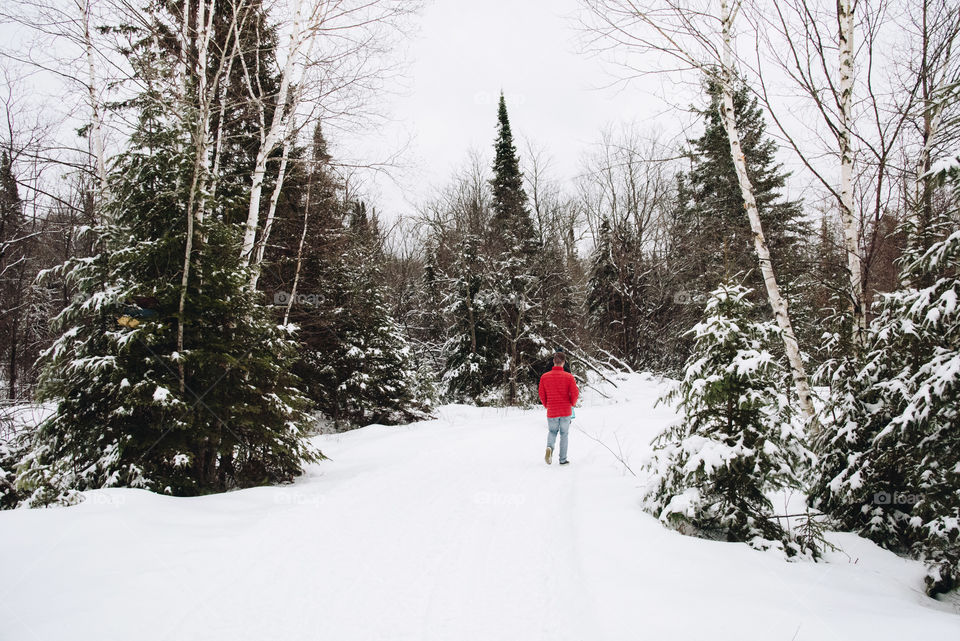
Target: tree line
pixel 196 295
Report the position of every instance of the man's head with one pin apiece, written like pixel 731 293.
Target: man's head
pixel 558 359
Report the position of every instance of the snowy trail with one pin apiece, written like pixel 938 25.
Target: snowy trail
pixel 453 529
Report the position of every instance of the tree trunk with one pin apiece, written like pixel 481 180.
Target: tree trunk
pixel 777 302
pixel 261 245
pixel 270 138
pixel 303 238
pixel 13 361
pixel 96 118
pixel 851 222
pixel 195 202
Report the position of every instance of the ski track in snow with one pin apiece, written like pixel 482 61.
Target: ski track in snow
pixel 452 529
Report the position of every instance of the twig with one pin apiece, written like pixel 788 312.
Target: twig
pixel 618 456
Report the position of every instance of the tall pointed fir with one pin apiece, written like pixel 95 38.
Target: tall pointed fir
pixel 325 273
pixel 473 356
pixel 377 379
pixel 735 441
pixel 614 292
pixel 715 231
pixel 15 257
pixel 518 289
pixel 172 383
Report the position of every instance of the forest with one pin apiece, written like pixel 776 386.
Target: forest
pixel 193 285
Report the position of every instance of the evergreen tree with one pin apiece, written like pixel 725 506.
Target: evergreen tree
pixel 472 352
pixel 890 451
pixel 375 374
pixel 511 222
pixel 615 291
pixel 717 239
pixel 123 416
pixel 172 384
pixel 355 360
pixel 735 441
pixel 15 254
pixel 518 288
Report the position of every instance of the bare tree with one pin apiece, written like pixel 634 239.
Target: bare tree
pixel 855 110
pixel 688 33
pixel 331 55
pixel 931 57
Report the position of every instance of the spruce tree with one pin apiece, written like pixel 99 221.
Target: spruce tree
pixel 133 407
pixel 15 252
pixel 735 441
pixel 123 417
pixel 472 354
pixel 890 450
pixel 717 240
pixel 376 376
pixel 615 291
pixel 525 332
pixel 511 222
pixel 354 360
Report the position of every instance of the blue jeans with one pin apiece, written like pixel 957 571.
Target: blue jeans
pixel 559 424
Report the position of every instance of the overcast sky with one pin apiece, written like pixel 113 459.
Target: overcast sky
pixel 465 53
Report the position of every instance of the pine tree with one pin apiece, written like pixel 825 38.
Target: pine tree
pixel 890 451
pixel 472 352
pixel 511 220
pixel 615 291
pixel 355 360
pixel 179 385
pixel 14 258
pixel 525 332
pixel 735 441
pixel 376 376
pixel 717 233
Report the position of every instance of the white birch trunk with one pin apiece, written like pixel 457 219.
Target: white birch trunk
pixel 196 201
pixel 271 137
pixel 851 222
pixel 777 302
pixel 303 239
pixel 96 117
pixel 261 245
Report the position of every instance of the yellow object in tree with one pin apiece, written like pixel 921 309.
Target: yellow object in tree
pixel 128 321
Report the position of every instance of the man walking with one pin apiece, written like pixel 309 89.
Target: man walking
pixel 558 393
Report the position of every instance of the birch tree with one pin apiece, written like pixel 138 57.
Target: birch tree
pixel 688 35
pixel 331 52
pixel 843 59
pixel 933 62
pixel 60 43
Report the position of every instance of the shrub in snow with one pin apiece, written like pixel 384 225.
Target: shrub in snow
pixel 890 450
pixel 712 471
pixel 472 352
pixel 130 403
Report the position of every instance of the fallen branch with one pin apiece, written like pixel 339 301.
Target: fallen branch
pixel 618 454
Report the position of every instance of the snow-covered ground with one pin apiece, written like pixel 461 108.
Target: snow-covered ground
pixel 453 529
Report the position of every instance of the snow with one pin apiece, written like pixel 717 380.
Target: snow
pixel 446 529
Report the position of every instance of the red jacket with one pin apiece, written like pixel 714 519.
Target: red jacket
pixel 558 392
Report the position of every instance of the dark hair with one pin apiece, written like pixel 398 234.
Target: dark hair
pixel 559 358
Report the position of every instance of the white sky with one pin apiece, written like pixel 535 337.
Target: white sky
pixel 465 53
